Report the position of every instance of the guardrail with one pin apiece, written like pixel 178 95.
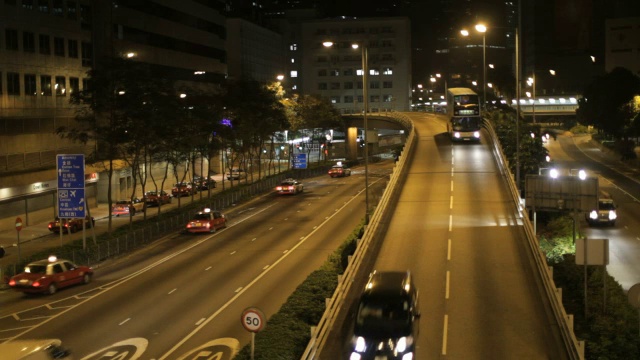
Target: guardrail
pixel 372 234
pixel 574 347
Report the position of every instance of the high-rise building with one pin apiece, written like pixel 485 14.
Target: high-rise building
pixel 336 72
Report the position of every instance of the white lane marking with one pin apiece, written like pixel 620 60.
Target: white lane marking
pixel 450 222
pixel 449 249
pixel 451 202
pixel 446 291
pixel 451 185
pixel 209 268
pixel 444 335
pixel 233 252
pixel 254 239
pixel 122 323
pixel 238 289
pixel 285 219
pixel 284 252
pixel 200 321
pixel 270 228
pixel 172 291
pixel 266 267
pixel 252 283
pixel 112 285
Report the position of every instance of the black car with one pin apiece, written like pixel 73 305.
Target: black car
pixel 386 319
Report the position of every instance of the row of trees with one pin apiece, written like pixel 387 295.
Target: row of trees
pixel 611 103
pixel 134 114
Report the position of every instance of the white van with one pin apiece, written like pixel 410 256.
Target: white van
pixel 37 349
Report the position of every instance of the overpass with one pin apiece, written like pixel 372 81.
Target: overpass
pixel 547 105
pixel 323 334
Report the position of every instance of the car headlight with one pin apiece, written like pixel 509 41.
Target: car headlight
pixel 456 135
pixel 593 215
pixel 612 215
pixel 360 344
pixel 407 356
pixel 355 356
pixel 476 134
pixel 403 343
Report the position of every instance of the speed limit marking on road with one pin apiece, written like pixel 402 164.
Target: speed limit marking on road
pixel 253 319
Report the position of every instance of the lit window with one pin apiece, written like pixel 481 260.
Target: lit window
pixel 374 72
pixel 387 71
pixel 293 60
pixel 359 72
pixel 293 47
pixel 294 73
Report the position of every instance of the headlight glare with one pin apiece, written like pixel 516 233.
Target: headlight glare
pixel 593 215
pixel 612 215
pixel 360 344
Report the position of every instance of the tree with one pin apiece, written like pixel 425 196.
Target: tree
pixel 604 103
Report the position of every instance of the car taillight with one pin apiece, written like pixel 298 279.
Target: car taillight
pixel 12 282
pixel 278 188
pixel 50 226
pixel 290 187
pixel 36 283
pixel 208 225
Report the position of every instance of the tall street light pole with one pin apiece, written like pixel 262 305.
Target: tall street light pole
pixel 365 85
pixel 483 29
pixel 365 102
pixel 518 101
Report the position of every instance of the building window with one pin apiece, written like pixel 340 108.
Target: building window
pixel 322 59
pixel 359 72
pixel 293 61
pixel 45 85
pixel 30 85
pixel 348 72
pixel 360 98
pixel 359 84
pixel 387 84
pixel 293 47
pixel 72 10
pixel 73 49
pixel 387 57
pixel 85 17
pixel 13 83
pixel 322 72
pixel 335 86
pixel 74 85
pixel 322 86
pixel 11 39
pixel 58 8
pixel 375 98
pixel 374 85
pixel 0 83
pixel 58 46
pixel 374 71
pixel 348 99
pixel 335 99
pixel 10 2
pixel 61 86
pixel 86 84
pixel 27 4
pixel 45 44
pixel 294 74
pixel 28 42
pixel 348 85
pixel 387 98
pixel 43 6
pixel 87 54
pixel 387 71
pixel 335 72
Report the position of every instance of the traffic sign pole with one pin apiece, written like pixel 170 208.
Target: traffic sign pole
pixel 18 228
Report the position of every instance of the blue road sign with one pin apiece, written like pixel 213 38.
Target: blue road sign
pixel 71 200
pixel 300 161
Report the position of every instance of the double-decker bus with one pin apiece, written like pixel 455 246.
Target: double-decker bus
pixel 463 109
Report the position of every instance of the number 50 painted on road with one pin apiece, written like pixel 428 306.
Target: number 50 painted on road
pixel 253 319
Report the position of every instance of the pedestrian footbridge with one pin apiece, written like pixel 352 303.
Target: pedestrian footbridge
pixel 547 105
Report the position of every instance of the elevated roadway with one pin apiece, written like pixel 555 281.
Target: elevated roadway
pixel 455 227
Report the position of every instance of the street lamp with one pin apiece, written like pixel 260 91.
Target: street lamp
pixel 482 29
pixel 532 82
pixel 365 77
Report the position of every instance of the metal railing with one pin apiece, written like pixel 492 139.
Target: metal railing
pixel 372 234
pixel 574 347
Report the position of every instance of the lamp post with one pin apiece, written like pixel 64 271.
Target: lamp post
pixel 365 73
pixel 481 28
pixel 365 76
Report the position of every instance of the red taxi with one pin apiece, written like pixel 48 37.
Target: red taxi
pixel 49 275
pixel 70 225
pixel 339 171
pixel 127 207
pixel 183 189
pixel 206 221
pixel 290 186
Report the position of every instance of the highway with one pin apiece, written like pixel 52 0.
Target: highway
pixel 188 291
pixel 456 229
pixel 621 183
